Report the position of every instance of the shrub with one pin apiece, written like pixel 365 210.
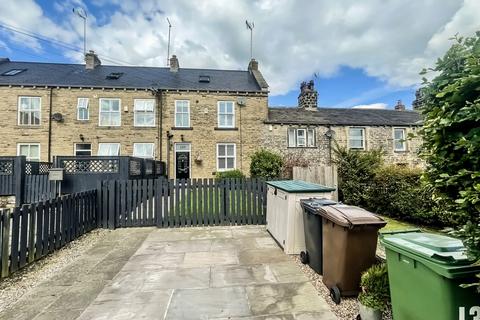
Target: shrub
pixel 450 104
pixel 375 288
pixel 230 174
pixel 266 164
pixel 355 170
pixel 399 192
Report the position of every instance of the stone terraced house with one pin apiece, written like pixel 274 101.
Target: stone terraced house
pixel 309 133
pixel 199 121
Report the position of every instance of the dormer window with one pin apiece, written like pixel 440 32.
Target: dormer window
pixel 13 72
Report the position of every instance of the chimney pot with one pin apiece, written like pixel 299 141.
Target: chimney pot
pixel 400 106
pixel 91 60
pixel 174 65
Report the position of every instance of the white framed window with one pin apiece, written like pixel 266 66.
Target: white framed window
pixel 109 112
pixel 83 149
pixel 226 114
pixel 82 109
pixel 143 150
pixel 109 149
pixel 310 138
pixel 144 113
pixel 399 139
pixel 29 150
pixel 356 138
pixel 29 111
pixel 301 137
pixel 226 156
pixel 182 113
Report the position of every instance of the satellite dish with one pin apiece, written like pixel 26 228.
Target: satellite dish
pixel 57 117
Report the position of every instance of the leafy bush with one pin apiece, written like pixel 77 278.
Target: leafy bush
pixel 266 164
pixel 450 104
pixel 399 192
pixel 375 288
pixel 230 174
pixel 355 170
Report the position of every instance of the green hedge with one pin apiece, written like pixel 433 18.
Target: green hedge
pixel 390 190
pixel 230 174
pixel 266 164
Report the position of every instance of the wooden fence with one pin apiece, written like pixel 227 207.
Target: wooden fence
pixel 324 175
pixel 30 232
pixel 179 203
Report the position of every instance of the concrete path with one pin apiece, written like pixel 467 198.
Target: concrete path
pixel 195 273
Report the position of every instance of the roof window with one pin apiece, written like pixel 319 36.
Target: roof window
pixel 114 75
pixel 204 79
pixel 13 72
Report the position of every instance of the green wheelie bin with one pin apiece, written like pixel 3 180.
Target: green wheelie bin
pixel 425 271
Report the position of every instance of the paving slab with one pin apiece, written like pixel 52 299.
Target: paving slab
pixel 186 273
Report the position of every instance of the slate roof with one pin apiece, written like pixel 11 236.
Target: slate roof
pixel 343 116
pixel 75 75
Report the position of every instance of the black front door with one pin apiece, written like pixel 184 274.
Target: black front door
pixel 182 164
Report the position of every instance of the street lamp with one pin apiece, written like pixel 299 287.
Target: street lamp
pixel 82 14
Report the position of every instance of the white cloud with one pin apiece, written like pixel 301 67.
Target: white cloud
pixel 371 106
pixel 392 40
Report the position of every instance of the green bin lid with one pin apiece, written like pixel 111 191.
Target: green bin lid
pixel 298 186
pixel 445 255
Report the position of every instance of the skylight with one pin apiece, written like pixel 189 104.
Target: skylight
pixel 13 72
pixel 114 75
pixel 203 78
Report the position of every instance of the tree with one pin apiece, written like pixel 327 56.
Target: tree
pixel 450 104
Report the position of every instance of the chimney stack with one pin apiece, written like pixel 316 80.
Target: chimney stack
pixel 307 99
pixel 400 106
pixel 174 65
pixel 91 60
pixel 253 65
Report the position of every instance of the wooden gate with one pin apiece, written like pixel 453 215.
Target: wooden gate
pixel 181 203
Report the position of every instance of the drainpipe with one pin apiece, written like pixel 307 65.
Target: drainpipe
pixel 158 97
pixel 50 126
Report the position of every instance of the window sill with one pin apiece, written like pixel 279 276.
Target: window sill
pixel 314 147
pixel 181 128
pixel 400 151
pixel 28 127
pixel 225 129
pixel 144 127
pixel 109 127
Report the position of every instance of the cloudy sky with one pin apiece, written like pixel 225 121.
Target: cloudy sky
pixel 359 52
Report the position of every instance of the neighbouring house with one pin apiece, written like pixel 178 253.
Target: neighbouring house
pixel 199 121
pixel 308 132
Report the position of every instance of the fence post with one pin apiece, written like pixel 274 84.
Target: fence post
pixel 19 176
pixel 5 241
pixel 99 208
pixel 112 210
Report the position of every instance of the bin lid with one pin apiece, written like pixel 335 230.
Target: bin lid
pixel 435 247
pixel 299 186
pixel 445 255
pixel 350 216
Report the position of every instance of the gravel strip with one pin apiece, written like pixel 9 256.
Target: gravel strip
pixel 21 282
pixel 348 307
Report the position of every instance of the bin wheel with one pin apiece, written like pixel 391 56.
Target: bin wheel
pixel 335 294
pixel 304 257
pixel 358 317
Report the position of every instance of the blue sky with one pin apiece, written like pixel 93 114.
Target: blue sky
pixel 359 57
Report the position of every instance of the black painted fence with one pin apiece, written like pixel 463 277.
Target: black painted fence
pixel 30 232
pixel 181 203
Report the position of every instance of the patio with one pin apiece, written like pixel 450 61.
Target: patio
pixel 189 273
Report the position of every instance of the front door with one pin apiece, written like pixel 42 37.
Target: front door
pixel 182 160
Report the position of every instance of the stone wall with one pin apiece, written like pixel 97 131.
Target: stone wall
pixel 275 138
pixel 203 135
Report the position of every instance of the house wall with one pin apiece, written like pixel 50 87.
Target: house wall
pixel 203 135
pixel 276 138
